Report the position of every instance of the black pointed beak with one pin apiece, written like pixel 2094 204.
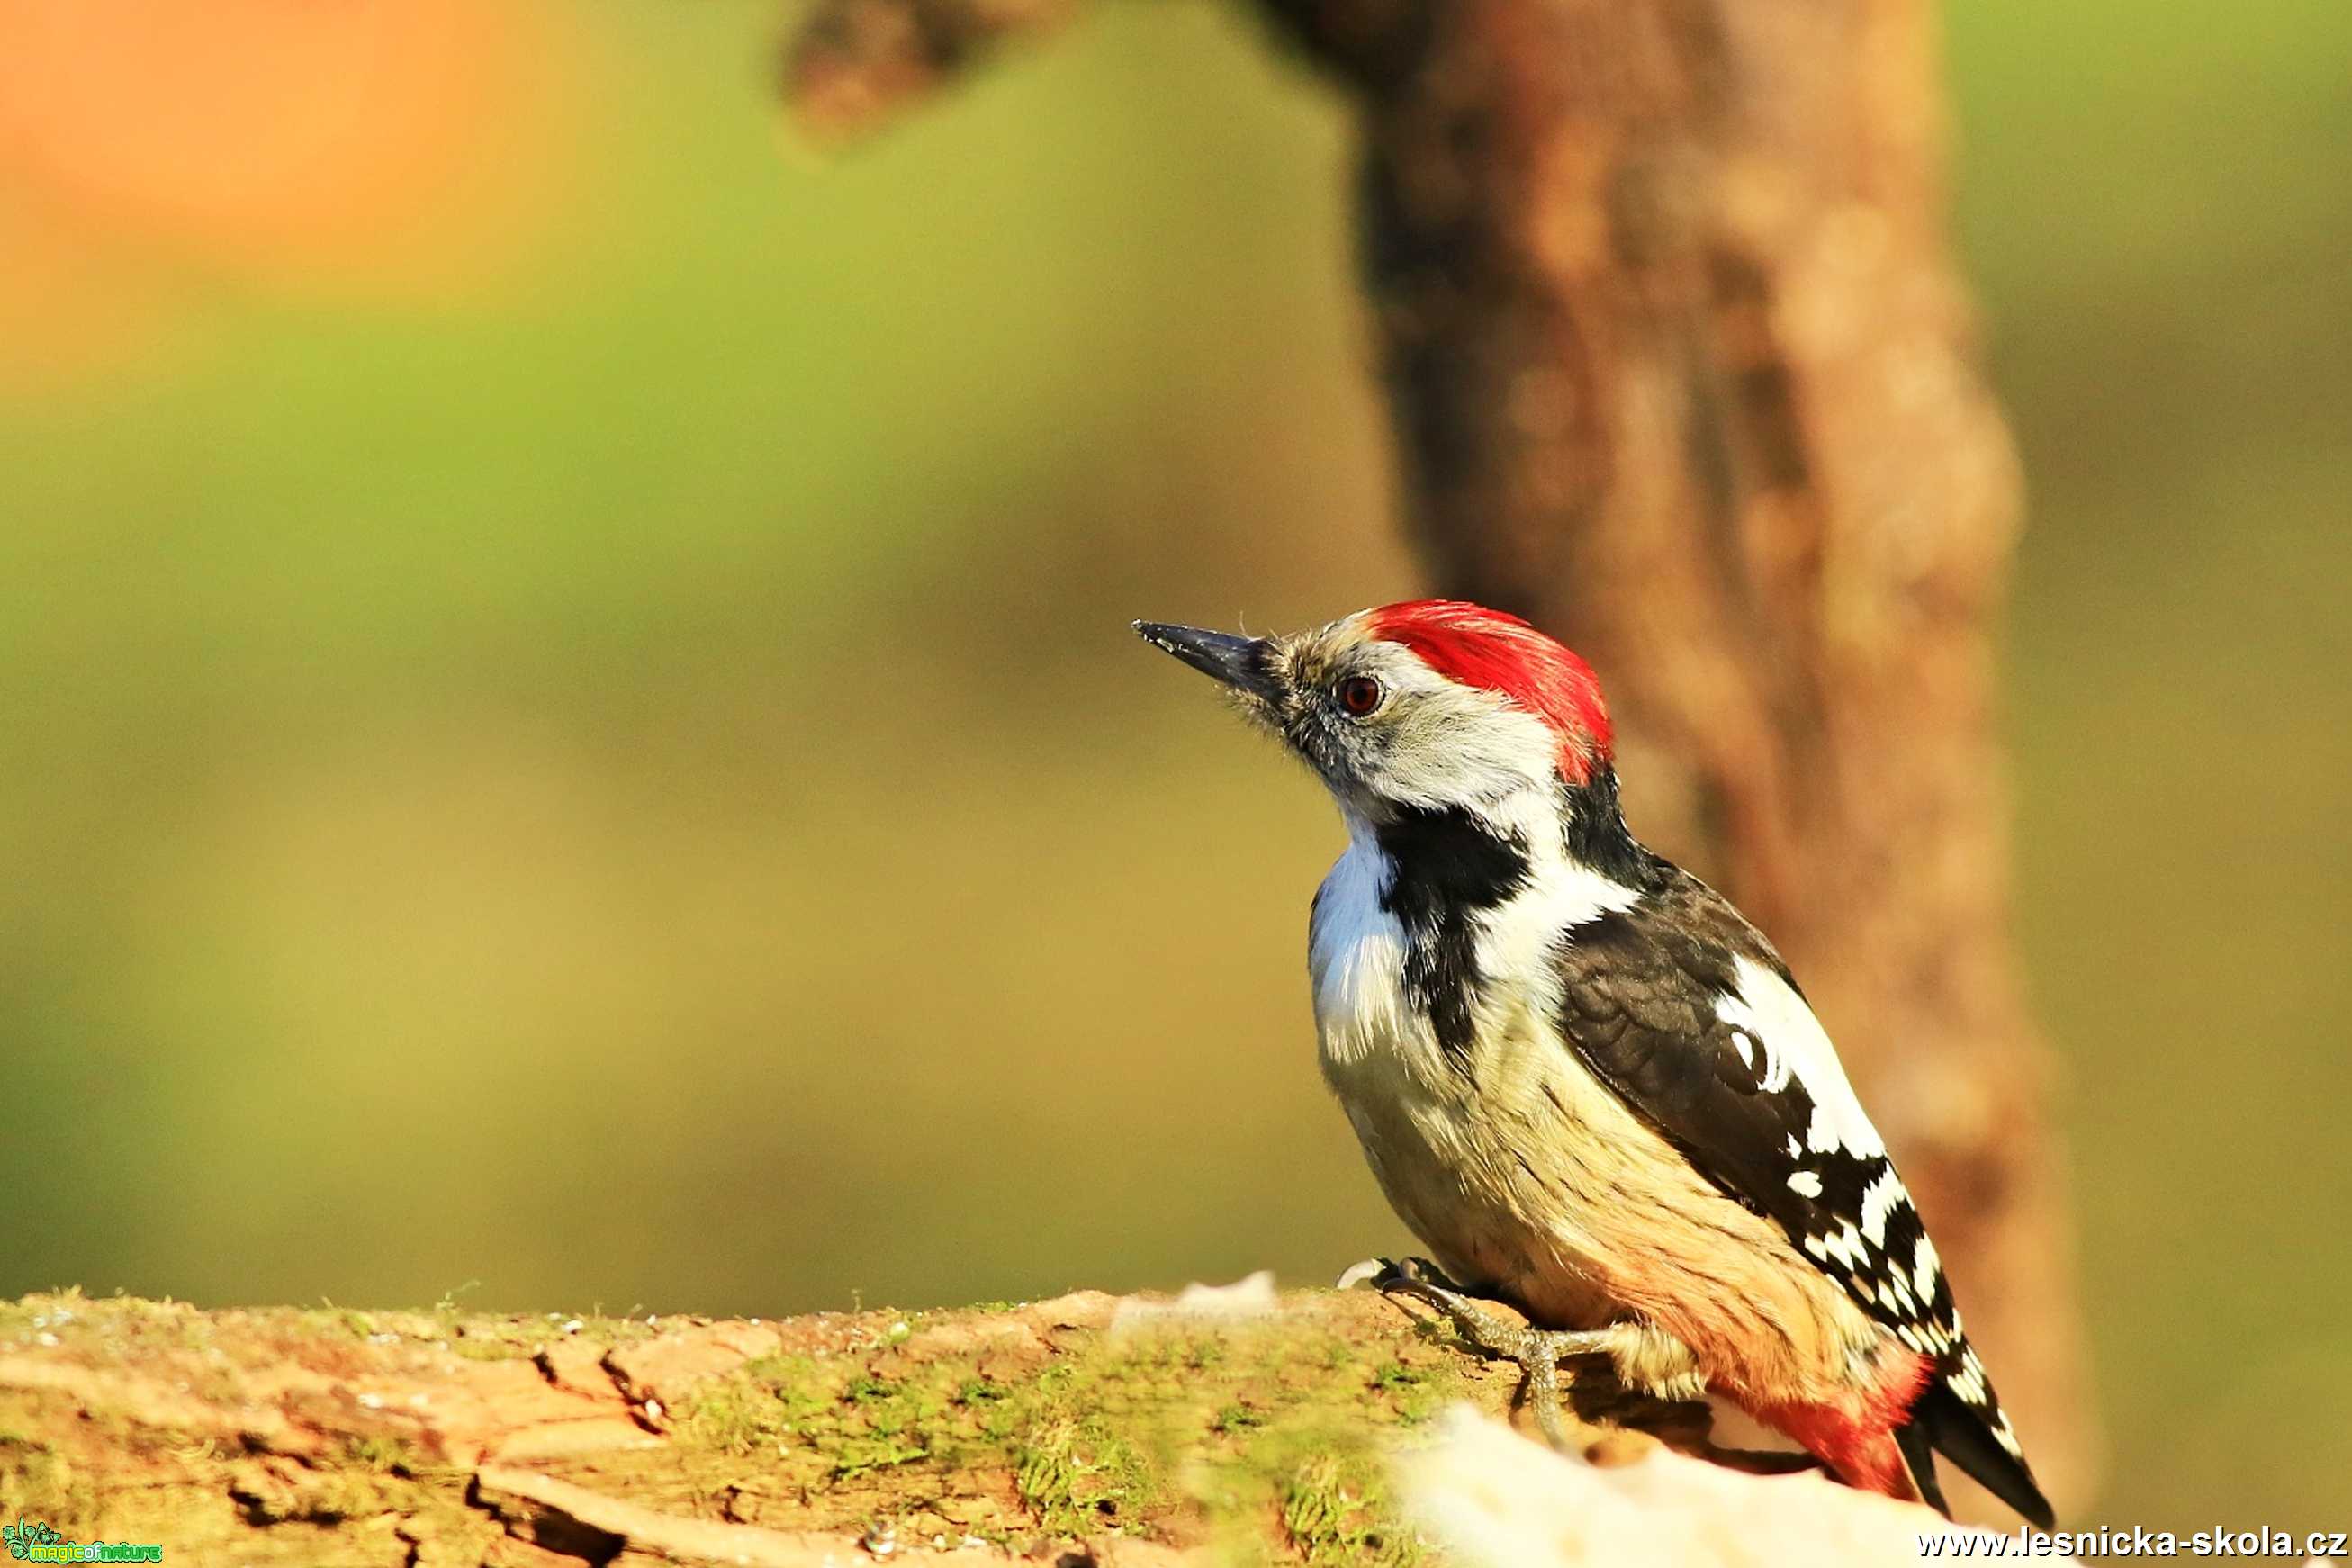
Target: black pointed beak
pixel 1240 662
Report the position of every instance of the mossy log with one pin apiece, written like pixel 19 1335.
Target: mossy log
pixel 1083 1430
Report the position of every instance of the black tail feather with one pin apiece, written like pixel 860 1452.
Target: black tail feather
pixel 1941 1422
pixel 1921 1455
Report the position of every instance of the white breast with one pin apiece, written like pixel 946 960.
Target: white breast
pixel 1406 1102
pixel 1355 958
pixel 1356 954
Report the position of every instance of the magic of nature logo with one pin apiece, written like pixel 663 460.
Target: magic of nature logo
pixel 31 1541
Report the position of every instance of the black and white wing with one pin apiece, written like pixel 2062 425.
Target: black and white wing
pixel 1684 1009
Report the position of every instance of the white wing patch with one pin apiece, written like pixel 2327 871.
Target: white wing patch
pixel 1925 1266
pixel 1765 1006
pixel 1968 1382
pixel 1765 1009
pixel 1878 1201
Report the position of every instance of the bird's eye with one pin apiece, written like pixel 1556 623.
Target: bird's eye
pixel 1359 694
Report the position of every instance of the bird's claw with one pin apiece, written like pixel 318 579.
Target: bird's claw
pixel 1381 1273
pixel 1537 1353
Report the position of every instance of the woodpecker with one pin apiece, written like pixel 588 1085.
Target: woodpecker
pixel 1585 1083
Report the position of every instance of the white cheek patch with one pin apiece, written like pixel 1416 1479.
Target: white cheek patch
pixel 1455 745
pixel 1765 1006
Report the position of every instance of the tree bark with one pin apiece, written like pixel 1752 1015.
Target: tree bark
pixel 1679 367
pixel 1088 1429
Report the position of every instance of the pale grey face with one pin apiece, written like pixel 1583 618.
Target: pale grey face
pixel 1381 727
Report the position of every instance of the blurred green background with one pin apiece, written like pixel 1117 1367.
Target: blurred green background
pixel 571 724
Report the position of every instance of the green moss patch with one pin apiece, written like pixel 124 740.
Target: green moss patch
pixel 1263 1437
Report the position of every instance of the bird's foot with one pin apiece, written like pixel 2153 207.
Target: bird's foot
pixel 1378 1272
pixel 1537 1353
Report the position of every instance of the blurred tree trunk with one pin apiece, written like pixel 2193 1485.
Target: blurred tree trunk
pixel 1679 364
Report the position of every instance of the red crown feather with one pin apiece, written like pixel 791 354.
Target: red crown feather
pixel 1473 646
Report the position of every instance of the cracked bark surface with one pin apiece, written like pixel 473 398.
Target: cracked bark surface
pixel 1086 1429
pixel 1680 367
